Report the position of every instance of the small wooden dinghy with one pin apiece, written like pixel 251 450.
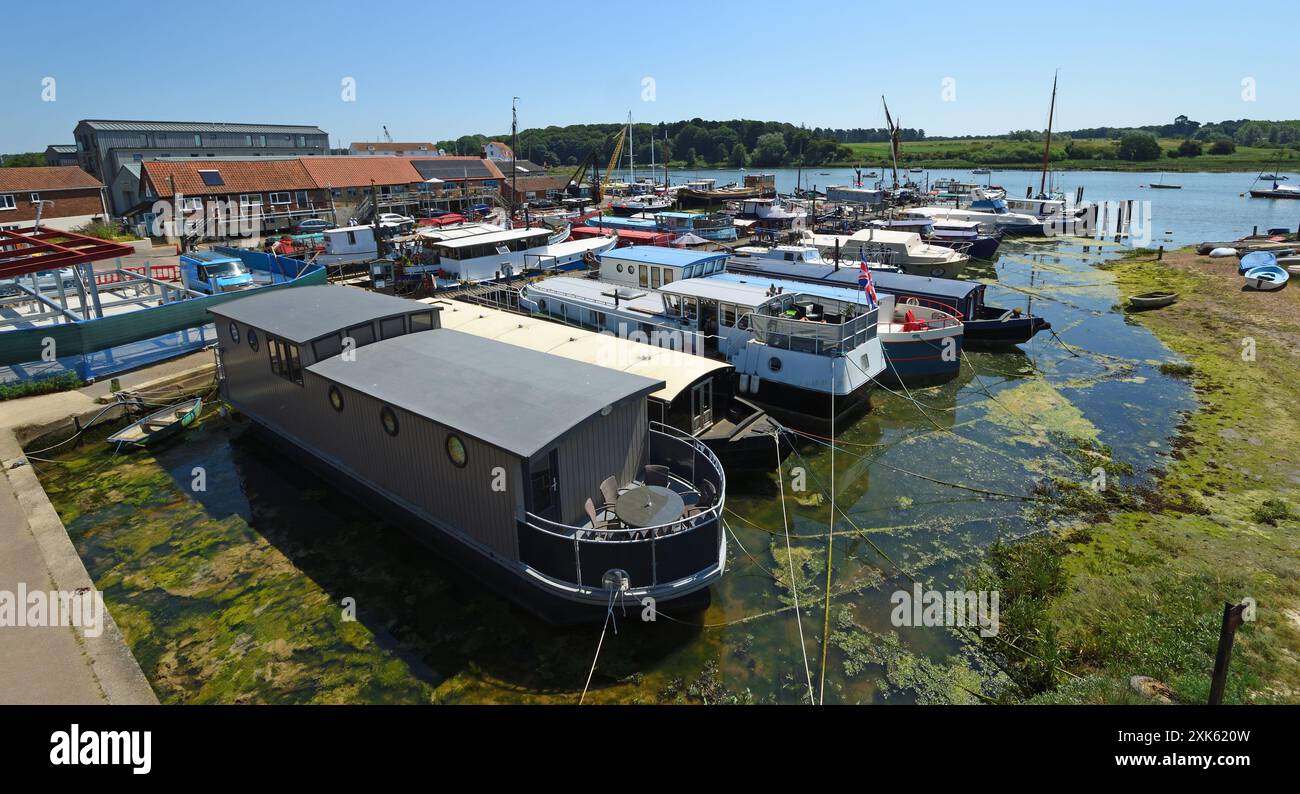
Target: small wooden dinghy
pixel 1266 277
pixel 159 425
pixel 1152 300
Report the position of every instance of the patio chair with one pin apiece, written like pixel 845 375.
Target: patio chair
pixel 708 496
pixel 597 523
pixel 609 490
pixel 656 475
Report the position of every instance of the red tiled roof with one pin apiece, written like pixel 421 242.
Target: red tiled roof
pixel 237 176
pixel 360 171
pixel 46 177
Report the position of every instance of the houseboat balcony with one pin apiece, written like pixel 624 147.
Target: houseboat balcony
pixel 820 332
pixel 659 535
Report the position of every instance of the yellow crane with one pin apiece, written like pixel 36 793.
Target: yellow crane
pixel 613 161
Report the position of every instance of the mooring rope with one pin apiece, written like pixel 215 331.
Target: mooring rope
pixel 830 552
pixel 609 613
pixel 916 580
pixel 789 554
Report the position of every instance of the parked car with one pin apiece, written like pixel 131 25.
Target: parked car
pixel 312 226
pixel 46 281
pixel 433 213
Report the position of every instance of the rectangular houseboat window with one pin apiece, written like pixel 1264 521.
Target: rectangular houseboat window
pixel 654 278
pixel 421 322
pixel 642 276
pixel 668 275
pixel 391 327
pixel 327 347
pixel 285 360
pixel 362 335
pixel 727 314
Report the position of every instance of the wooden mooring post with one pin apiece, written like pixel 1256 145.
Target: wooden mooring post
pixel 1232 618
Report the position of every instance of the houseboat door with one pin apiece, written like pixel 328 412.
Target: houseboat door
pixel 701 405
pixel 708 325
pixel 544 485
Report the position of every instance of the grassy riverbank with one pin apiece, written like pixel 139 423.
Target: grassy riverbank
pixel 1139 590
pixel 1004 155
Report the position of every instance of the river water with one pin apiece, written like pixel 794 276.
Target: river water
pixel 264 586
pixel 1208 206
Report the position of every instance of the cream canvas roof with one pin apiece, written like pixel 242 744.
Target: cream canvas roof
pixel 676 369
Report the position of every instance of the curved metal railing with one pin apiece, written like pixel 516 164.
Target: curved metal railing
pixel 650 555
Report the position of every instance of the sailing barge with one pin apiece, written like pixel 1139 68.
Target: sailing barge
pixel 493 453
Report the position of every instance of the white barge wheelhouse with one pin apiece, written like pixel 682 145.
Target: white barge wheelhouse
pixel 541 473
pixel 810 360
pixel 506 253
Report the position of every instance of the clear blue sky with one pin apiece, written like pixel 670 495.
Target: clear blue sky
pixel 436 71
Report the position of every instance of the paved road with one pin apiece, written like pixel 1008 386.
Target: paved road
pixel 57 664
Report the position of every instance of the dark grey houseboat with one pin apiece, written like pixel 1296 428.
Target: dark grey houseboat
pixel 542 472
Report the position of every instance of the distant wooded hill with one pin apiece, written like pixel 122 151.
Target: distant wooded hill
pixel 745 142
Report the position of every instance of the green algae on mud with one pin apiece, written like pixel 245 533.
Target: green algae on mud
pixel 236 594
pixel 1148 580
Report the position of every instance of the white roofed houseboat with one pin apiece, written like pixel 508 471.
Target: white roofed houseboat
pixel 698 393
pixel 809 360
pixel 543 475
pixel 904 250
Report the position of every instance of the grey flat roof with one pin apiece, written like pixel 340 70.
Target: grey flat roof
pixel 510 397
pixel 448 168
pixel 301 314
pixel 847 276
pixel 123 125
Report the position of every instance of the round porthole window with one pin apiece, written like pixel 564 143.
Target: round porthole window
pixel 619 268
pixel 234 332
pixel 252 339
pixel 774 364
pixel 336 399
pixel 389 419
pixel 541 304
pixel 631 270
pixel 456 451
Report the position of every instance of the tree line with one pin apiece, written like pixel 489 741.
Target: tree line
pixel 694 143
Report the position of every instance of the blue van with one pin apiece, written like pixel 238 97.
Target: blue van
pixel 211 272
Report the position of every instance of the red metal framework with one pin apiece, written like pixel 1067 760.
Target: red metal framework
pixel 32 250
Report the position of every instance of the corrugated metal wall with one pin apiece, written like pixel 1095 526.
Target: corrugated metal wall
pixel 414 466
pixel 604 446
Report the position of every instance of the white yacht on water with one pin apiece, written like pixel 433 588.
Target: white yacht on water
pixel 809 359
pixel 991 213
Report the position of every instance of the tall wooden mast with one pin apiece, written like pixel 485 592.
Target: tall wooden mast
pixel 1047 144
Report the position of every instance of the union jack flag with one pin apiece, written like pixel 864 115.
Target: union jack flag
pixel 868 286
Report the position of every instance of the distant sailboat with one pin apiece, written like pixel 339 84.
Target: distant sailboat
pixel 1162 186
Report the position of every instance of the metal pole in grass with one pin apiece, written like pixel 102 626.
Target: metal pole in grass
pixel 1232 618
